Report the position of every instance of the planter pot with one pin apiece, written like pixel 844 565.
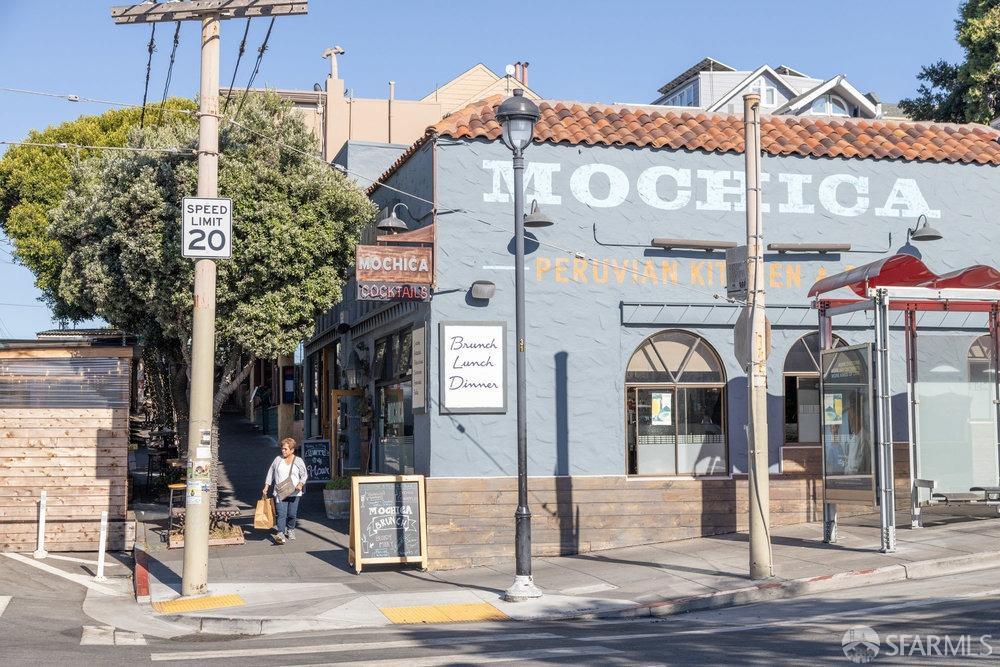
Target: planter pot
pixel 337 503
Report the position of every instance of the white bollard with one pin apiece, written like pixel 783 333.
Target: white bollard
pixel 40 552
pixel 103 542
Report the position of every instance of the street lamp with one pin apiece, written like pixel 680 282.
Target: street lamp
pixel 517 116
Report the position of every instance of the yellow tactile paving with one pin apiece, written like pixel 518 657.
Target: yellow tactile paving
pixel 444 613
pixel 182 605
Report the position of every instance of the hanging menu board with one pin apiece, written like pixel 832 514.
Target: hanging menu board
pixel 388 520
pixel 316 455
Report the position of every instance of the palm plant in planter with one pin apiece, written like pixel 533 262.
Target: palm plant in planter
pixel 337 498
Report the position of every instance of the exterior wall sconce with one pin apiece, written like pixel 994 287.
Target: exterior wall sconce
pixel 483 289
pixel 923 232
pixel 391 223
pixel 351 377
pixel 707 245
pixel 536 218
pixel 821 248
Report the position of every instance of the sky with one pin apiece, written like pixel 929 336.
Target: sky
pixel 594 51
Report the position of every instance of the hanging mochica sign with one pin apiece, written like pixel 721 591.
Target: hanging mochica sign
pixel 393 273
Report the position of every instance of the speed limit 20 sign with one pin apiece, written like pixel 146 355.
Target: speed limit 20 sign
pixel 208 228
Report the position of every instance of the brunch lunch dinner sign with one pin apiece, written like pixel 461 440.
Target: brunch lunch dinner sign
pixel 473 357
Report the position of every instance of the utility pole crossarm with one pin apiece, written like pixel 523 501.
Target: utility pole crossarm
pixel 192 10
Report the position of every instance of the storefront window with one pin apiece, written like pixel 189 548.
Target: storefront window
pixel 801 380
pixel 675 393
pixel 395 403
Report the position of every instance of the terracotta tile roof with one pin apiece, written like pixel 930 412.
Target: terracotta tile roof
pixel 817 136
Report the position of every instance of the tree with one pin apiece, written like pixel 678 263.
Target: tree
pixel 968 92
pixel 33 181
pixel 296 223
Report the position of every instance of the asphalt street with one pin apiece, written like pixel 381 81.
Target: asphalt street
pixel 953 619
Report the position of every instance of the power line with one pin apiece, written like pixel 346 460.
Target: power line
pixel 78 98
pixel 149 66
pixel 170 69
pixel 239 57
pixel 256 67
pixel 133 149
pixel 23 305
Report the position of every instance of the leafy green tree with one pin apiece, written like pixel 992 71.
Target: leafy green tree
pixel 968 92
pixel 34 179
pixel 296 223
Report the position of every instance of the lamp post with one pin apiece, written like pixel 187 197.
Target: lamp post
pixel 517 116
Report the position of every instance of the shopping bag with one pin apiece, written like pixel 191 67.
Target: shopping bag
pixel 263 515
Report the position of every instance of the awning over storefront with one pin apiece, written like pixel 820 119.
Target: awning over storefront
pixel 903 270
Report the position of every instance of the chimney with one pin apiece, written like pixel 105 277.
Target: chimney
pixel 524 73
pixel 517 71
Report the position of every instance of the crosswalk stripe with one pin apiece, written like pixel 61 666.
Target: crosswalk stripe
pixel 481 659
pixel 338 648
pixel 98 635
pixel 4 601
pixel 107 635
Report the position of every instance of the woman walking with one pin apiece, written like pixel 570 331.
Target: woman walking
pixel 287 478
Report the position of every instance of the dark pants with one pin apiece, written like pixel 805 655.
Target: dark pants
pixel 287 510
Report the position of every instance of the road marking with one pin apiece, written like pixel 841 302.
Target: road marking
pixel 108 635
pixel 4 601
pixel 480 659
pixel 81 579
pixel 340 648
pixel 98 635
pixel 795 621
pixel 71 559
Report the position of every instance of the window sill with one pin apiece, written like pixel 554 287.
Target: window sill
pixel 688 478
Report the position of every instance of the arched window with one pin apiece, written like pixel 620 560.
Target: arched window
pixel 801 380
pixel 830 105
pixel 675 407
pixel 981 364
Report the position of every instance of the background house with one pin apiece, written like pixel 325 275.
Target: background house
pixel 712 86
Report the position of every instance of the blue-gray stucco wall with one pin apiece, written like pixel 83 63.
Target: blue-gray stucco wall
pixel 584 325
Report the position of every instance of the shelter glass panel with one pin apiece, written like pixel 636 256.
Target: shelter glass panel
pixel 956 416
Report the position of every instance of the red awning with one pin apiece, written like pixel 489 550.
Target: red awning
pixel 906 271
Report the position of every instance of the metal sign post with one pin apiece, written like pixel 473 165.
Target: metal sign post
pixel 208 216
pixel 883 422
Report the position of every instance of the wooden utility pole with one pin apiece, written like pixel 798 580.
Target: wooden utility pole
pixel 199 436
pixel 759 491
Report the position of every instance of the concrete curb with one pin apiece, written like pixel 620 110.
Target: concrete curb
pixel 655 606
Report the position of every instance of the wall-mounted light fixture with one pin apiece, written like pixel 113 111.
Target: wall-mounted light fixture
pixel 707 245
pixel 821 248
pixel 391 223
pixel 483 289
pixel 536 218
pixel 923 232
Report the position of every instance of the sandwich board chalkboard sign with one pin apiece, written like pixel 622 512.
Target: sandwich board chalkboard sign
pixel 388 520
pixel 316 456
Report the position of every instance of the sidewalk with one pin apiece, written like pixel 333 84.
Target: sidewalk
pixel 307 584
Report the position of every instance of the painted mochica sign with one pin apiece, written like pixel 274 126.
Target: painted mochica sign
pixel 669 188
pixel 394 273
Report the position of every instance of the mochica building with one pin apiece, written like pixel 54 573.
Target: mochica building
pixel 636 398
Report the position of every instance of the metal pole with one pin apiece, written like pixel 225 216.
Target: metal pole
pixel 910 326
pixel 40 552
pixel 829 509
pixel 757 459
pixel 195 577
pixel 523 587
pixel 102 543
pixel 883 423
pixel 994 325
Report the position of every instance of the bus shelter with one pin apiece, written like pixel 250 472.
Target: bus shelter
pixel 952 409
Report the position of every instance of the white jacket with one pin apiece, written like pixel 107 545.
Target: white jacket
pixel 297 472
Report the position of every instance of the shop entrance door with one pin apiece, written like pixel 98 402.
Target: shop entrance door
pixel 345 421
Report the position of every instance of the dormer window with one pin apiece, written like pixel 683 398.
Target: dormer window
pixel 829 105
pixel 768 93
